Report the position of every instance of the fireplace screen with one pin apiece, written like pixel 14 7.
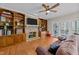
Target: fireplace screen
pixel 32 34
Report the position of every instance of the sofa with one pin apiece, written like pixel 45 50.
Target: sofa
pixel 68 47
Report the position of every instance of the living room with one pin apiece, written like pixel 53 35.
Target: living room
pixel 31 28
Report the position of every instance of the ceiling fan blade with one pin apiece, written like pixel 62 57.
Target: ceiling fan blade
pixel 45 6
pixel 54 6
pixel 53 10
pixel 42 11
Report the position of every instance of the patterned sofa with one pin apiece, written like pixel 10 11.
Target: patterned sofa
pixel 68 47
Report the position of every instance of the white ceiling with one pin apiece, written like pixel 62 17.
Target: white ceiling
pixel 34 8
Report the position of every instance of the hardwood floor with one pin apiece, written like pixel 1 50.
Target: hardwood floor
pixel 27 48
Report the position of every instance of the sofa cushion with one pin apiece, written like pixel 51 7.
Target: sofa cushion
pixel 53 49
pixel 42 51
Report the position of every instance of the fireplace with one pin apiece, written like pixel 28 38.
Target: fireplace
pixel 32 32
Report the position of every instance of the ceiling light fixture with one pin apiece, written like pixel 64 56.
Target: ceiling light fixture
pixel 48 11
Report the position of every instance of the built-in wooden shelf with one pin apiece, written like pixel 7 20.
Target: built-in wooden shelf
pixel 12 28
pixel 11 20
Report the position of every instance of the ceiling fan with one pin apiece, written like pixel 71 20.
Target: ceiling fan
pixel 48 8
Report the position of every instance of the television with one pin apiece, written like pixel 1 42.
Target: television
pixel 31 21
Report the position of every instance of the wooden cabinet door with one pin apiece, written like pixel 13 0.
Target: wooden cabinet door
pixel 18 38
pixel 2 41
pixel 9 40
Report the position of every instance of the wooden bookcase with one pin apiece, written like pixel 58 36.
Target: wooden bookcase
pixel 19 25
pixel 6 22
pixel 42 26
pixel 12 27
pixel 11 22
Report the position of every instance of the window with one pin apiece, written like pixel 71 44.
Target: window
pixel 66 28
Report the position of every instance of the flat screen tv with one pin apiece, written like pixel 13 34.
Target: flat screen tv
pixel 31 21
